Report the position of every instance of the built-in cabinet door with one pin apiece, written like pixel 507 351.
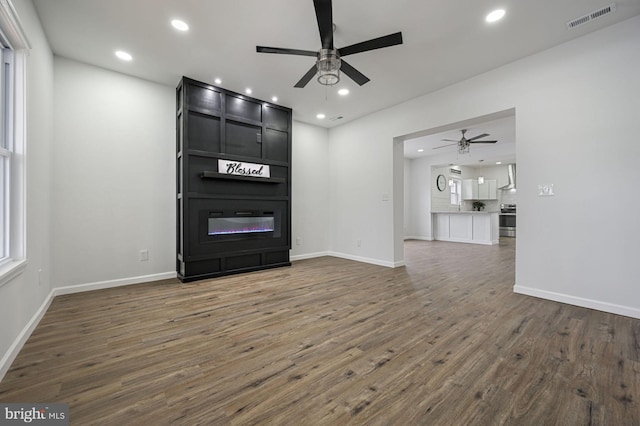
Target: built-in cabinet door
pixel 470 189
pixel 493 190
pixel 483 190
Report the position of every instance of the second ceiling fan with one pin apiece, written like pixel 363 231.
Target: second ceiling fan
pixel 464 143
pixel 328 59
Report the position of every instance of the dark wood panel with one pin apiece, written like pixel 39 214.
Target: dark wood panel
pixel 204 132
pixel 205 99
pixel 241 106
pixel 214 123
pixel 276 118
pixel 276 145
pixel 243 139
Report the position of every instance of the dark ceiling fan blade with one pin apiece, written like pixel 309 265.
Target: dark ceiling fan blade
pixel 444 146
pixel 353 73
pixel 484 135
pixel 376 43
pixel 283 51
pixel 307 77
pixel 324 15
pixel 482 141
pixel 449 140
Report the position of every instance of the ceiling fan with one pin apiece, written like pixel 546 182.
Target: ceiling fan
pixel 464 143
pixel 328 59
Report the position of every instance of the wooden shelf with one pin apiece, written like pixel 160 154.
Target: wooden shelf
pixel 216 175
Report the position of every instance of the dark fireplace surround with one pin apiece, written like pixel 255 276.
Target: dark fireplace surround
pixel 233 182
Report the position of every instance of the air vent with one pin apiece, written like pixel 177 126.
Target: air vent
pixel 336 118
pixel 591 16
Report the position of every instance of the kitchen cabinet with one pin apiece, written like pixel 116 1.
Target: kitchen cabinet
pixel 487 190
pixel 472 190
pixel 469 189
pixel 466 227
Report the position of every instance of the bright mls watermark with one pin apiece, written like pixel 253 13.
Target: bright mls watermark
pixel 34 414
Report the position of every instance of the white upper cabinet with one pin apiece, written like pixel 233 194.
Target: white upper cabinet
pixel 472 190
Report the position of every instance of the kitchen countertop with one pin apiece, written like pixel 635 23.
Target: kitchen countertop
pixel 464 212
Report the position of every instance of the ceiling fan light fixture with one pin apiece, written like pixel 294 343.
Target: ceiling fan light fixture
pixel 328 67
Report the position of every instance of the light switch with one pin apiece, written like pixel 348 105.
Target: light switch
pixel 545 190
pixel 385 197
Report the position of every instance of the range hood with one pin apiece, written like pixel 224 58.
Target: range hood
pixel 511 170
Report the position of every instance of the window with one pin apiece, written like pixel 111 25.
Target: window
pixel 6 147
pixel 13 52
pixel 456 191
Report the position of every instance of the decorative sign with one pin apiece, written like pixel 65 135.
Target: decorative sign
pixel 238 168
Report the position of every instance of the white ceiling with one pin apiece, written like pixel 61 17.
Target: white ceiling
pixel 444 42
pixel 500 127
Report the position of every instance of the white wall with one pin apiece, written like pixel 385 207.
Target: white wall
pixel 310 191
pixel 420 199
pixel 576 107
pixel 114 176
pixel 408 201
pixel 22 297
pixel 115 184
pixel 361 188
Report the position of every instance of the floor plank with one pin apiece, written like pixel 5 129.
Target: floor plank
pixel 442 341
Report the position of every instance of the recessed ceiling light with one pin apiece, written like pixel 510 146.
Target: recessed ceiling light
pixel 123 55
pixel 217 81
pixel 274 99
pixel 248 91
pixel 498 162
pixel 180 25
pixel 421 150
pixel 320 116
pixel 496 15
pixel 343 92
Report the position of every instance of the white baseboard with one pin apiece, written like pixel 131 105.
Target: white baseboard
pixel 579 301
pixel 367 260
pixel 457 240
pixel 415 237
pixel 309 256
pixel 113 283
pixel 18 343
pixel 348 257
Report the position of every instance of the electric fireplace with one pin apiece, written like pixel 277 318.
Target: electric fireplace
pixel 240 225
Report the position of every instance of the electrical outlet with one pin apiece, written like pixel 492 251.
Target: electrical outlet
pixel 298 241
pixel 359 243
pixel 144 255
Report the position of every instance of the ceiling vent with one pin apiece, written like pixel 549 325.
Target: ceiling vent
pixel 591 16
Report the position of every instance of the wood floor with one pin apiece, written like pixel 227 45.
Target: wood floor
pixel 443 341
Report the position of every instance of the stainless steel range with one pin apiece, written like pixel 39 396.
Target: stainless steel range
pixel 507 220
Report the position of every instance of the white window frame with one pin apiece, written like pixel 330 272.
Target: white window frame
pixel 13 230
pixel 455 185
